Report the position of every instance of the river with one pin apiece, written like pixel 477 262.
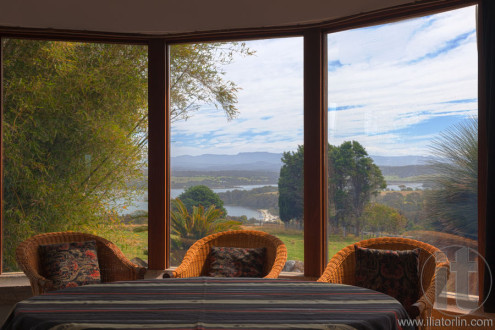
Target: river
pixel 413 185
pixel 141 202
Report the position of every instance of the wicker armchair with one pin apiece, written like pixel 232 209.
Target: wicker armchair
pixel 433 267
pixel 114 266
pixel 194 261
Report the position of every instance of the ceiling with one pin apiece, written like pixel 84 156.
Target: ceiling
pixel 177 16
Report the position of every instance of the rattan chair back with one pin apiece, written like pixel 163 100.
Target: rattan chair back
pixel 433 266
pixel 194 262
pixel 114 266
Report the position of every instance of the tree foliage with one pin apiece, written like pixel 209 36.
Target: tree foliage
pixel 197 77
pixel 291 185
pixel 201 195
pixel 73 134
pixel 258 198
pixel 200 222
pixel 452 204
pixel 75 127
pixel 381 218
pixel 410 204
pixel 353 179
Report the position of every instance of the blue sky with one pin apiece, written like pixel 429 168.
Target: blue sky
pixel 392 87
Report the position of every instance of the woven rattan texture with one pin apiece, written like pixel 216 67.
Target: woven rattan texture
pixel 433 266
pixel 194 262
pixel 114 266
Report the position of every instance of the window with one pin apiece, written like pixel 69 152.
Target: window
pixel 403 135
pixel 75 142
pixel 236 120
pixel 339 107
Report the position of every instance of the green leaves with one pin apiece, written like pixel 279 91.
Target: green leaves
pixel 200 222
pixel 72 132
pixel 381 218
pixel 453 201
pixel 352 179
pixel 76 126
pixel 201 195
pixel 197 77
pixel 291 185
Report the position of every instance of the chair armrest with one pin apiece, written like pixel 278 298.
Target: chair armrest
pixel 438 282
pixel 189 267
pixel 40 284
pixel 335 271
pixel 114 265
pixel 193 262
pixel 279 262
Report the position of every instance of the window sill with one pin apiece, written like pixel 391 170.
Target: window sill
pixel 14 287
pixel 14 279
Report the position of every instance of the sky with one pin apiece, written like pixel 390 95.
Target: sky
pixel 391 87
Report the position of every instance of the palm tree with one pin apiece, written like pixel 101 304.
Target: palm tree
pixel 200 222
pixel 452 203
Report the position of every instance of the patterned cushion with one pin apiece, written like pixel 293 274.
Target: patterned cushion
pixel 395 273
pixel 236 262
pixel 70 264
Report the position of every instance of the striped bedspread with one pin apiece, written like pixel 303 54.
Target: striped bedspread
pixel 209 303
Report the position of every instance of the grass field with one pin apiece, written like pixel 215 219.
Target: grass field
pixel 134 242
pixel 294 241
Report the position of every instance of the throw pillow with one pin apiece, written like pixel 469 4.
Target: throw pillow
pixel 395 273
pixel 70 264
pixel 236 262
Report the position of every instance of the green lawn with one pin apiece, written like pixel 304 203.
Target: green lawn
pixel 294 241
pixel 134 243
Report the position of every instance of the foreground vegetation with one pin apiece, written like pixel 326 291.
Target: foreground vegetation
pixel 133 240
pixel 222 179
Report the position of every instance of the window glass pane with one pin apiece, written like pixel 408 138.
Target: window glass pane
pixel 403 137
pixel 75 142
pixel 236 109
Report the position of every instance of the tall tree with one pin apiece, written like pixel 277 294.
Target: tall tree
pixel 201 195
pixel 75 127
pixel 290 186
pixel 354 178
pixel 452 204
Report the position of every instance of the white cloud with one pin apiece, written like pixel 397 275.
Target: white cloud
pixel 400 75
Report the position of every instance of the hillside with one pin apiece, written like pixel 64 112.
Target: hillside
pixel 407 171
pixel 252 161
pixel 267 161
pixel 222 179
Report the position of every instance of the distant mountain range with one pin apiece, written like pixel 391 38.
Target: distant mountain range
pixel 400 160
pixel 244 161
pixel 265 161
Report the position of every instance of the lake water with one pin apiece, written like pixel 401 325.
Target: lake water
pixel 141 203
pixel 413 185
pixel 176 192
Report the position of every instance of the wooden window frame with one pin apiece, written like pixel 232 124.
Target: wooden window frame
pixel 315 117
